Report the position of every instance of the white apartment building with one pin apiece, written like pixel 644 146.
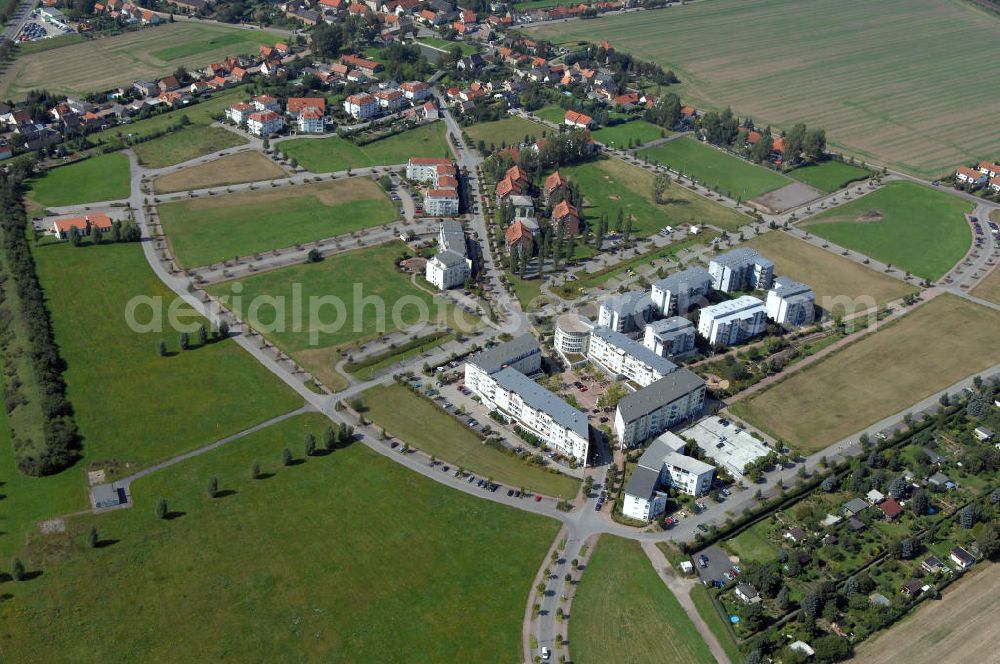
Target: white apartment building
pixel 425 169
pixel 664 464
pixel 622 356
pixel 441 202
pixel 522 353
pixel 741 269
pixel 677 292
pixel 390 100
pixel 790 303
pixel 572 333
pixel 239 113
pixel 310 121
pixel 264 123
pixel 415 90
pixel 266 103
pixel 361 106
pixel 652 410
pixel 669 337
pixel 626 312
pixel 451 267
pixel 732 322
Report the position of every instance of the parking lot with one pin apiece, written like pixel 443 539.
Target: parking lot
pixel 587 391
pixel 717 565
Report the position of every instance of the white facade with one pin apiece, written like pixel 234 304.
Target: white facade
pixel 425 169
pixel 677 292
pixel 626 312
pixel 264 123
pixel 310 123
pixel 361 106
pixel 733 321
pixel 572 333
pixel 652 410
pixel 239 113
pixel 741 269
pixel 415 90
pixel 448 269
pixel 441 202
pixel 790 303
pixel 669 337
pixel 625 357
pixel 664 464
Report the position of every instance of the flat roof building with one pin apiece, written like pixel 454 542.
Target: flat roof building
pixel 571 334
pixel 677 292
pixel 733 321
pixel 790 303
pixel 664 464
pixel 626 312
pixel 741 269
pixel 670 337
pixel 726 444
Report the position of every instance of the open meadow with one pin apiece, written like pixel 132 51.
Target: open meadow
pixel 509 131
pixel 715 169
pixel 907 225
pixel 623 134
pixel 884 373
pixel 102 178
pixel 188 143
pixel 416 421
pixel 881 99
pixel 214 228
pixel 199 114
pixel 370 273
pixel 334 558
pixel 610 185
pixel 325 155
pixel 829 275
pixel 623 612
pixel 989 288
pixel 830 175
pixel 108 62
pixel 132 404
pixel 247 166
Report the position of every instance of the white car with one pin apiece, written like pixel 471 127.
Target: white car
pixel 545 653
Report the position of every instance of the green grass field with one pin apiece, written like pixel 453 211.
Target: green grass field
pixel 180 146
pixel 752 544
pixel 829 176
pixel 931 348
pixel 507 132
pixel 215 228
pixel 416 421
pixel 554 114
pixel 882 100
pixel 103 178
pixel 148 54
pixel 708 613
pixel 621 135
pixel 342 558
pixel 716 169
pixel 609 185
pixel 907 225
pixel 337 154
pixel 131 404
pixel 623 612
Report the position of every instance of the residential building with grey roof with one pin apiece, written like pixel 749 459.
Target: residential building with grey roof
pixel 790 303
pixel 678 291
pixel 740 269
pixel 626 312
pixel 665 462
pixel 733 321
pixel 676 397
pixel 669 337
pixel 622 356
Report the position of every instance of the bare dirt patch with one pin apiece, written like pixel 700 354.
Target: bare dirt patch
pixel 249 166
pixel 52 526
pixel 788 197
pixel 958 628
pixel 873 215
pixel 415 265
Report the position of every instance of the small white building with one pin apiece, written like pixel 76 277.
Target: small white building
pixel 670 337
pixel 740 269
pixel 676 397
pixel 626 312
pixel 622 356
pixel 361 106
pixel 791 304
pixel 732 322
pixel 264 123
pixel 677 292
pixel 664 464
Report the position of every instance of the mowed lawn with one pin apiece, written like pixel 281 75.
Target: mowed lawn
pixel 131 404
pixel 325 155
pixel 609 185
pixel 186 144
pixel 214 228
pixel 414 420
pixel 147 54
pixel 715 169
pixel 623 612
pixel 881 99
pixel 622 135
pixel 989 288
pixel 102 178
pixel 752 544
pixel 910 226
pixel 931 348
pixel 509 131
pixel 844 284
pixel 247 166
pixel 346 557
pixel 553 114
pixel 830 175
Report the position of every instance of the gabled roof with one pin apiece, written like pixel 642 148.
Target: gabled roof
pixel 564 209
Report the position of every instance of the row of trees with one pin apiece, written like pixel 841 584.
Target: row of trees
pixel 121 231
pixel 60 446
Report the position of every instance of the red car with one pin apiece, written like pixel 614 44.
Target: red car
pixel 538 499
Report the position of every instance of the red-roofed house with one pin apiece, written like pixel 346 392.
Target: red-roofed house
pixel 890 509
pixel 506 187
pixel 566 216
pixel 361 106
pixel 367 67
pixel 239 113
pixel 990 168
pixel 264 123
pixel 61 227
pixel 415 90
pixel 311 120
pixel 553 183
pixel 518 236
pixel 391 100
pixel 580 120
pixel 266 103
pixel 296 105
pixel 517 175
pixel 971 176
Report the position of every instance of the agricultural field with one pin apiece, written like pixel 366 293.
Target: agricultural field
pixel 181 146
pixel 959 628
pixel 623 612
pixel 907 225
pixel 622 135
pixel 215 228
pixel 880 101
pixel 102 178
pixel 610 185
pixel 506 132
pixel 414 420
pixel 132 404
pixel 147 54
pixel 249 166
pixel 830 175
pixel 948 338
pixel 294 559
pixel 326 155
pixel 830 276
pixel 715 169
pixel 372 271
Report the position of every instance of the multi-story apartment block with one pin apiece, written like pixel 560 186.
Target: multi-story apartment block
pixel 741 269
pixel 652 410
pixel 626 312
pixel 664 464
pixel 790 303
pixel 622 356
pixel 733 321
pixel 669 337
pixel 676 293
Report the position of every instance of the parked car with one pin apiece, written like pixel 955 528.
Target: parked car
pixel 538 499
pixel 703 561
